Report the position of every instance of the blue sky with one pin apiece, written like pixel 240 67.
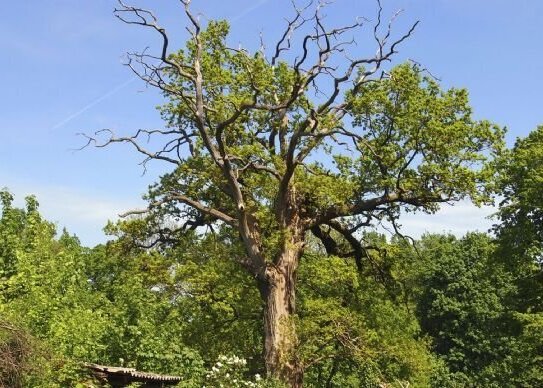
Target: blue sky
pixel 62 74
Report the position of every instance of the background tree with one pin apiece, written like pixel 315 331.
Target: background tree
pixel 520 231
pixel 520 248
pixel 462 293
pixel 353 333
pixel 12 226
pixel 64 304
pixel 273 147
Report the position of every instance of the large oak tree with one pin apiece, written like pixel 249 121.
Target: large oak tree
pixel 303 136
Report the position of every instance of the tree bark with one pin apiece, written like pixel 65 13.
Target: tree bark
pixel 279 295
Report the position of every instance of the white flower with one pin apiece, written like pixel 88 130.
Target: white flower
pixel 257 377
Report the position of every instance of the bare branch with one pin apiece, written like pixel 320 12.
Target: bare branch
pixel 147 19
pixel 172 197
pixel 160 155
pixel 292 25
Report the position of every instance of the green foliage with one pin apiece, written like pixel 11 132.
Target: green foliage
pixel 520 250
pixel 178 308
pixel 16 230
pixel 218 300
pixel 88 305
pixel 213 299
pixel 40 291
pixel 421 139
pixel 462 297
pixel 527 360
pixel 352 333
pixel 520 231
pixel 521 185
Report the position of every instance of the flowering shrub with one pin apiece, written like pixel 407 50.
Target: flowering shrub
pixel 231 371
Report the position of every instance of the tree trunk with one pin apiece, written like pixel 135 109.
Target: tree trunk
pixel 279 295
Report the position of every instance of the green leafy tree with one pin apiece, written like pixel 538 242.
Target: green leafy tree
pixel 353 333
pixel 461 304
pixel 520 242
pixel 12 226
pixel 214 302
pixel 145 326
pixel 520 230
pixel 104 305
pixel 47 296
pixel 272 148
pixel 527 360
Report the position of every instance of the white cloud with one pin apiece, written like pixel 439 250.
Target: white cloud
pixel 83 213
pixel 457 219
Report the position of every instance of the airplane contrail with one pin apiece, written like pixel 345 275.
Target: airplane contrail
pixel 94 103
pixel 128 82
pixel 249 10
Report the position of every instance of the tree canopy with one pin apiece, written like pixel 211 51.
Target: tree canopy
pixel 270 149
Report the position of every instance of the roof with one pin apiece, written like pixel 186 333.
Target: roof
pixel 131 374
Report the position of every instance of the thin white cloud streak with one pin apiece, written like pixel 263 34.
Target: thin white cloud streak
pixel 94 103
pixel 128 82
pixel 248 10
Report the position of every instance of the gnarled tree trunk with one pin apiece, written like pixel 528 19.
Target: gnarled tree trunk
pixel 279 295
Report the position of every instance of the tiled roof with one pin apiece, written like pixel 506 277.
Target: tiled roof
pixel 131 372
